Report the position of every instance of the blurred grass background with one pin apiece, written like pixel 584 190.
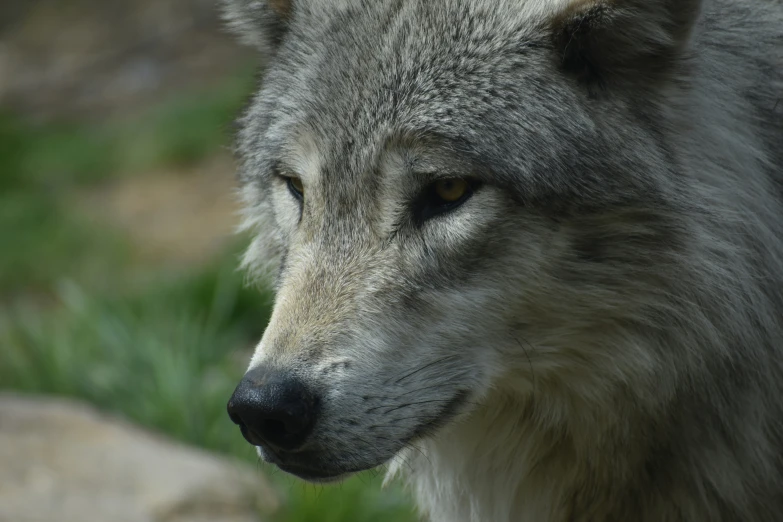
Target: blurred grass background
pixel 118 280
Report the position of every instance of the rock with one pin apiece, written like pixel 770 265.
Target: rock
pixel 65 462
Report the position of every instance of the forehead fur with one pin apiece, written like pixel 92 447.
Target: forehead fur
pixel 358 74
pixel 479 78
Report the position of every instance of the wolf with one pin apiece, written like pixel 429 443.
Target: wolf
pixel 528 254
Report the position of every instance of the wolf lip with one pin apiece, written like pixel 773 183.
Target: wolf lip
pixel 315 475
pixel 309 473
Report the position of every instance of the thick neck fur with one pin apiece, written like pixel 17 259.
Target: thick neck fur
pixel 531 459
pixel 503 464
pixel 495 465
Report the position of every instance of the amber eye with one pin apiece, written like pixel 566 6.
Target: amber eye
pixel 451 190
pixel 443 196
pixel 296 187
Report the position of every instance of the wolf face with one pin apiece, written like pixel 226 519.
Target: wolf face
pixel 461 198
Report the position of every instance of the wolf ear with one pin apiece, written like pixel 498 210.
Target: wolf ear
pixel 259 23
pixel 601 39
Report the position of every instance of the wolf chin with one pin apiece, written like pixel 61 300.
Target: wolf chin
pixel 528 254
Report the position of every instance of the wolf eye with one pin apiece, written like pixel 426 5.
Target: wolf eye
pixel 296 187
pixel 442 196
pixel 451 190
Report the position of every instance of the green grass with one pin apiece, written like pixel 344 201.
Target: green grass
pixel 164 351
pixel 40 164
pixel 43 242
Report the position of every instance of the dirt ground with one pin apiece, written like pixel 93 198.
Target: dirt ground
pixel 181 217
pixel 88 59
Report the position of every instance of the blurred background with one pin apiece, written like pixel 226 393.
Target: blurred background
pixel 122 313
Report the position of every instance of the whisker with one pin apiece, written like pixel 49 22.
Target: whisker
pixel 421 452
pixel 422 368
pixel 419 403
pixel 417 390
pixel 397 407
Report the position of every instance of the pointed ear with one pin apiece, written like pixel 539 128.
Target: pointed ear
pixel 603 39
pixel 259 23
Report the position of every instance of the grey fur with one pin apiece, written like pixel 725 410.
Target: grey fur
pixel 607 308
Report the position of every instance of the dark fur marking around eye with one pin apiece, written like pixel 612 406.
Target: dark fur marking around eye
pixel 429 205
pixel 297 193
pixel 278 173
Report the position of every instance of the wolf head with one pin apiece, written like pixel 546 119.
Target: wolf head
pixel 457 198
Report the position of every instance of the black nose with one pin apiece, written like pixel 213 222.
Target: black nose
pixel 273 409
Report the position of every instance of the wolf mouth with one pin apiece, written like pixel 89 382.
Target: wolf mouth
pixel 319 475
pixel 314 472
pixel 448 412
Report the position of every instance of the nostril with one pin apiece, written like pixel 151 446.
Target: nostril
pixel 274 430
pixel 277 429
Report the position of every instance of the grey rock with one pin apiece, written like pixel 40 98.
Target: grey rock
pixel 66 462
